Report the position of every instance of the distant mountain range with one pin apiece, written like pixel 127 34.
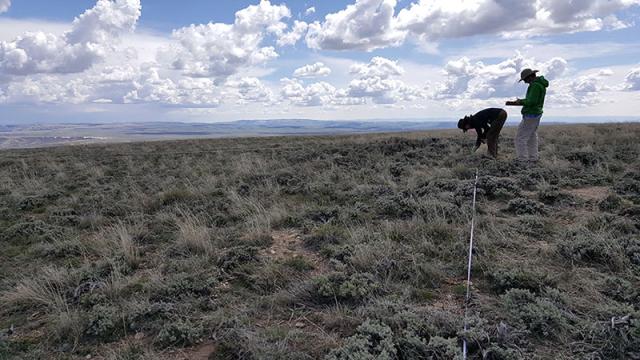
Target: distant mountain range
pixel 30 135
pixel 20 136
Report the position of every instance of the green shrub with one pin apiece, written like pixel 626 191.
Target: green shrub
pixel 627 186
pixel 534 226
pixel 496 187
pixel 185 284
pixel 373 340
pixel 179 332
pixel 396 206
pixel 30 232
pixel 611 203
pixel 131 351
pixel 142 314
pixel 291 181
pixel 619 289
pixel 585 157
pixel 552 195
pixel 524 206
pixel 324 235
pixel 502 279
pixel 31 203
pixel 540 315
pixel 341 253
pixel 582 245
pixel 345 287
pixel 105 323
pixel 298 263
pixel 236 256
pixel 441 348
pixel 230 350
pixel 602 341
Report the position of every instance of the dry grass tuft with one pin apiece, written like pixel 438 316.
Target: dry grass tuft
pixel 193 234
pixel 46 290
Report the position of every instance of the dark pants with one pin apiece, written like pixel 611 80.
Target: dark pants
pixel 493 134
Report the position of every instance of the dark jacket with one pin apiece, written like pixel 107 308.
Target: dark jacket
pixel 481 122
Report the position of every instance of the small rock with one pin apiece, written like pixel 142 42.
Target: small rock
pixel 300 324
pixel 88 356
pixel 139 336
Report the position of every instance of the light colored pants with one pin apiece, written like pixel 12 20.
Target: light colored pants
pixel 527 138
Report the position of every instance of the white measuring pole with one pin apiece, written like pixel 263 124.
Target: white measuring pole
pixel 468 296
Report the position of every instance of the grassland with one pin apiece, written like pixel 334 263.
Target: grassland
pixel 349 247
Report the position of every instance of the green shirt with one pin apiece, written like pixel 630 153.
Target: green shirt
pixel 533 103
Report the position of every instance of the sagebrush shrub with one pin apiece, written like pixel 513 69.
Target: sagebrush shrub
pixel 524 206
pixel 503 279
pixel 600 247
pixel 354 287
pixel 373 340
pixel 552 195
pixel 105 323
pixel 540 315
pixel 182 332
pixel 236 256
pixel 611 203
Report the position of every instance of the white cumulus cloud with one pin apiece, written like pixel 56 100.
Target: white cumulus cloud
pixel 4 5
pixel 632 80
pixel 583 90
pixel 477 83
pixel 373 24
pixel 377 67
pixel 316 94
pixel 149 86
pixel 251 89
pixel 468 80
pixel 365 25
pixel 312 70
pixel 433 19
pixel 310 11
pixel 376 81
pixel 92 35
pixel 296 33
pixel 218 50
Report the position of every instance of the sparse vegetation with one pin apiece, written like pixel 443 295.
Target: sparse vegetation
pixel 349 247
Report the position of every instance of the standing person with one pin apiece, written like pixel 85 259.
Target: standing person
pixel 487 123
pixel 526 140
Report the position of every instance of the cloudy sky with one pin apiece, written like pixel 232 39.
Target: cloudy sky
pixel 203 60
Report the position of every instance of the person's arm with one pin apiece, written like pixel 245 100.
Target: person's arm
pixel 480 138
pixel 534 96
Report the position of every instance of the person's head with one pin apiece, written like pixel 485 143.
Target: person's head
pixel 528 75
pixel 464 124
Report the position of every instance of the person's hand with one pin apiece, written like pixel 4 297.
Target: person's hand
pixel 513 103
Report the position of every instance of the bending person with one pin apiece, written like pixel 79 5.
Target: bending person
pixel 488 124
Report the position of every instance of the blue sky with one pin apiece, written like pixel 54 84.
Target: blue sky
pixel 142 60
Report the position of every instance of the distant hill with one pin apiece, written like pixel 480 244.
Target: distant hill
pixel 39 135
pixel 21 136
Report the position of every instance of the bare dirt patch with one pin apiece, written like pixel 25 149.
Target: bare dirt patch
pixel 591 193
pixel 287 244
pixel 202 352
